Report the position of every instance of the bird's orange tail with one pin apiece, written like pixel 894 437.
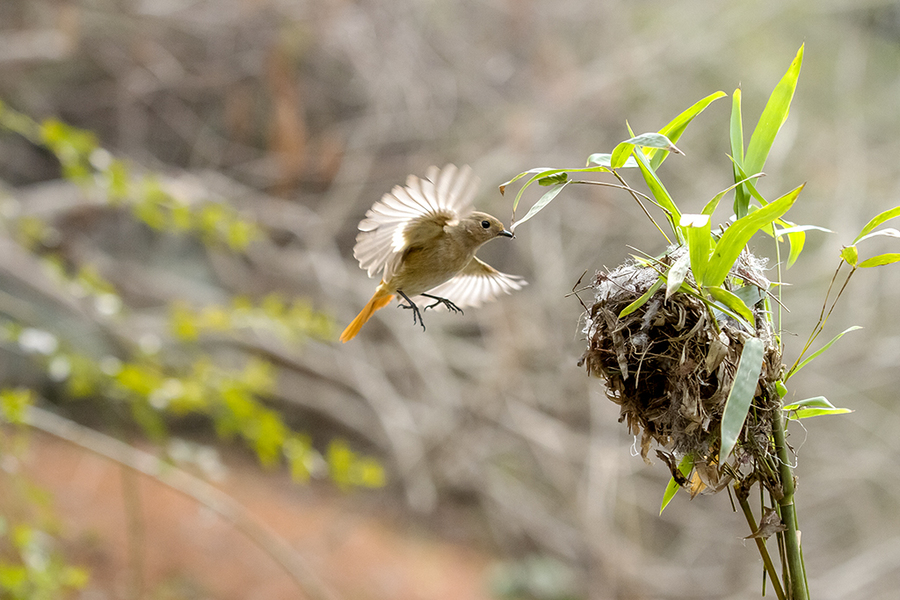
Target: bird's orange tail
pixel 379 300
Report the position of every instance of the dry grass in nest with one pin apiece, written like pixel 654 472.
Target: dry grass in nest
pixel 670 365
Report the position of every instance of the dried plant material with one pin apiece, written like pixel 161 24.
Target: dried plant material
pixel 670 363
pixel 768 525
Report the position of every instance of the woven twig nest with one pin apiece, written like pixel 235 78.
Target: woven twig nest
pixel 670 365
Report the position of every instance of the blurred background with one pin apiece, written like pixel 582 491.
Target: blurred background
pixel 482 461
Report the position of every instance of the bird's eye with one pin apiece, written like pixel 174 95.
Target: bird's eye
pixel 486 224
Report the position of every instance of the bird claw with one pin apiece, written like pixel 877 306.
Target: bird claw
pixel 445 301
pixel 417 314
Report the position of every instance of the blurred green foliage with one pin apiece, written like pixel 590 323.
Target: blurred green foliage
pixel 195 365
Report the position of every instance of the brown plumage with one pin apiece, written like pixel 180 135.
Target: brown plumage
pixel 423 238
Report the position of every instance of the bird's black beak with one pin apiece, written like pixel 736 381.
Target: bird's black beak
pixel 506 233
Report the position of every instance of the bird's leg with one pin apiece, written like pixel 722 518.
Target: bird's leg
pixel 446 302
pixel 415 309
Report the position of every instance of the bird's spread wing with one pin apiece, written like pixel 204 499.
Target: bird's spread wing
pixel 477 283
pixel 418 210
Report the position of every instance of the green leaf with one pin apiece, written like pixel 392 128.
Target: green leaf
pixel 889 232
pixel 741 394
pixel 642 300
pixel 737 128
pixel 554 179
pixel 773 117
pixel 684 467
pixel 714 203
pixel 653 140
pixel 620 154
pixel 736 237
pixel 820 351
pixel 880 260
pixel 813 407
pixel 605 160
pixel 700 244
pixel 732 301
pixel 676 127
pixel 540 204
pixel 663 199
pixel 851 255
pixel 677 273
pixel 878 220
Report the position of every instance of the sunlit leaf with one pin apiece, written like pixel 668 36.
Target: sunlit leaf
pixel 676 127
pixel 878 220
pixel 684 467
pixel 605 160
pixel 734 239
pixel 813 407
pixel 850 254
pixel 773 117
pixel 880 260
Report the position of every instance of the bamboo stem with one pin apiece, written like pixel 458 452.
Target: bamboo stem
pixel 796 569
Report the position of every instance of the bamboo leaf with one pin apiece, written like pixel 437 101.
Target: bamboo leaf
pixel 734 239
pixel 889 232
pixel 851 255
pixel 605 160
pixel 663 199
pixel 732 301
pixel 773 117
pixel 676 127
pixel 642 300
pixel 540 204
pixel 700 244
pixel 812 407
pixel 880 260
pixel 878 220
pixel 815 354
pixel 684 467
pixel 740 396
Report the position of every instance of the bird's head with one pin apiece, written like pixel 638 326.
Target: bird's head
pixel 483 227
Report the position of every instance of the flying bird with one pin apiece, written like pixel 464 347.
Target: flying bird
pixel 422 238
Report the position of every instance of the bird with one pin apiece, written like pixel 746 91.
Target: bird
pixel 422 238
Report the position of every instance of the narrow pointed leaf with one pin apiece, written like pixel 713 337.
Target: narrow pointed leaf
pixel 880 260
pixel 540 204
pixel 676 127
pixel 889 232
pixel 700 243
pixel 815 354
pixel 660 194
pixel 878 220
pixel 773 117
pixel 812 407
pixel 736 237
pixel 684 467
pixel 732 301
pixel 605 160
pixel 642 300
pixel 740 396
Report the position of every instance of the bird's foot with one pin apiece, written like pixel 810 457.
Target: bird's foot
pixel 445 301
pixel 417 315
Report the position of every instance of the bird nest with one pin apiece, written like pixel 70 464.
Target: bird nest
pixel 670 365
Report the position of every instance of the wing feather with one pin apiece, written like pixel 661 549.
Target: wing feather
pixel 476 284
pixel 445 195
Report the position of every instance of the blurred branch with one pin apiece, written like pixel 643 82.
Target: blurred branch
pixel 213 498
